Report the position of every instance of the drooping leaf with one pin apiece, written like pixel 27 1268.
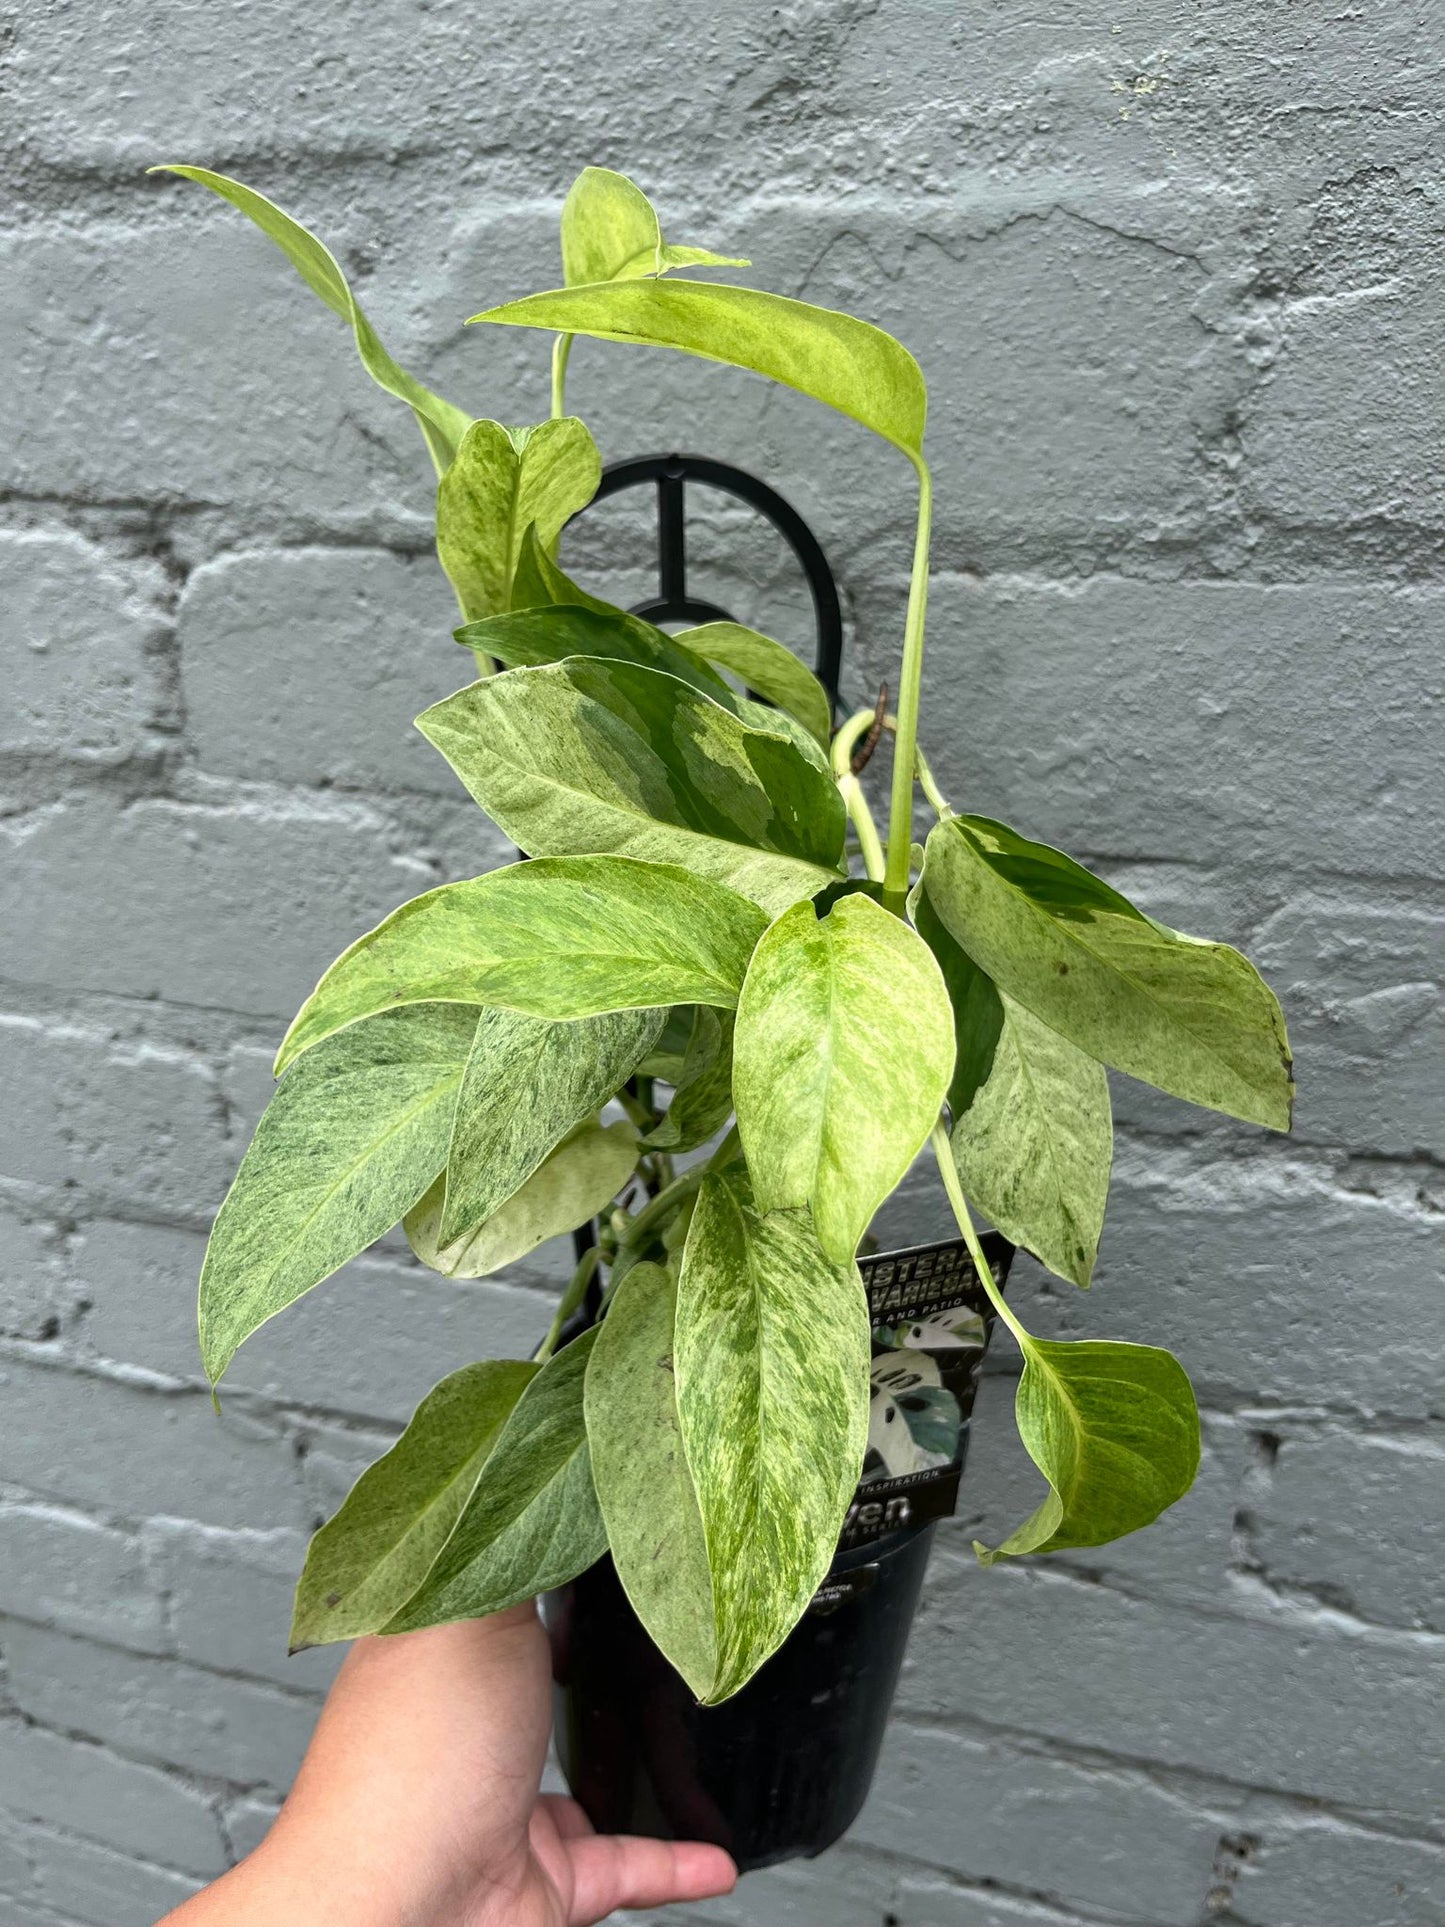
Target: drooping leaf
pixel 442 425
pixel 572 1184
pixel 772 1350
pixel 558 937
pixel 349 1142
pixel 1194 1018
pixel 610 232
pixel 367 1561
pixel 1115 1431
pixel 769 668
pixel 843 1053
pixel 848 364
pixel 503 483
pixel 584 756
pixel 533 637
pixel 703 1096
pixel 529 1082
pixel 532 1520
pixel 1032 1134
pixel 644 1487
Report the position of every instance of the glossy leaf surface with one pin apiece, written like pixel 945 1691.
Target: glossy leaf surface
pixel 772 1351
pixel 367 1561
pixel 1193 1018
pixel 442 425
pixel 349 1142
pixel 532 1520
pixel 843 1052
pixel 559 937
pixel 1114 1429
pixel 530 638
pixel 503 483
pixel 769 668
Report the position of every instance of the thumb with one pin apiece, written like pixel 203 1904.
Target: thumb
pixel 614 1870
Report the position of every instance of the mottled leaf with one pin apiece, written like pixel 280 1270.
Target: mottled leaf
pixel 441 424
pixel 540 582
pixel 367 1561
pixel 350 1140
pixel 644 1487
pixel 530 638
pixel 703 1097
pixel 847 364
pixel 1194 1018
pixel 528 1083
pixel 570 1186
pixel 1115 1431
pixel 772 1350
pixel 585 756
pixel 610 232
pixel 532 1521
pixel 559 937
pixel 503 483
pixel 843 1053
pixel 767 667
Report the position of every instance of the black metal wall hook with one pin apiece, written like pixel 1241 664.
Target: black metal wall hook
pixel 672 603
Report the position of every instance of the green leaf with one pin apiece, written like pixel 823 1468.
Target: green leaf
pixel 847 364
pixel 503 483
pixel 703 1096
pixel 843 1053
pixel 572 1184
pixel 610 232
pixel 558 937
pixel 1032 1135
pixel 531 638
pixel 349 1142
pixel 586 756
pixel 1194 1018
pixel 366 1562
pixel 539 582
pixel 532 1521
pixel 644 1487
pixel 768 667
pixel 441 424
pixel 772 1356
pixel 528 1083
pixel 1115 1431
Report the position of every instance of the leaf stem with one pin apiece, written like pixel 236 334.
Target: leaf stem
pixel 571 1298
pixel 930 784
pixel 851 791
pixel 900 804
pixel 561 349
pixel 948 1171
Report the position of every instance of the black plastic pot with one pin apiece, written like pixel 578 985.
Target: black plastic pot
pixel 779 1771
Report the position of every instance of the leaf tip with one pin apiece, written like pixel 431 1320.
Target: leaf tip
pixel 986 1555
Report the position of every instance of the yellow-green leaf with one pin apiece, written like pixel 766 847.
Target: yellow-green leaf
pixel 503 483
pixel 610 232
pixel 767 667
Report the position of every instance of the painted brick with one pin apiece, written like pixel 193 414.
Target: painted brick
pixel 307 666
pixel 1322 1872
pixel 248 1821
pixel 61 1568
pixel 35 1296
pixel 90 1883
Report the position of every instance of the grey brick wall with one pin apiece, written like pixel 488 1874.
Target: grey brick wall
pixel 1175 273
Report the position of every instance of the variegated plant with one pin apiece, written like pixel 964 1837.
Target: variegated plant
pixel 707 1016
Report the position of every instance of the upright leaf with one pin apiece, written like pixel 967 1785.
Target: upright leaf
pixel 528 1082
pixel 504 482
pixel 532 1521
pixel 559 937
pixel 349 1142
pixel 530 638
pixel 1032 1135
pixel 539 582
pixel 644 1487
pixel 842 1056
pixel 1115 1431
pixel 571 1185
pixel 610 232
pixel 772 1350
pixel 703 1097
pixel 587 756
pixel 767 667
pixel 847 364
pixel 441 424
pixel 367 1561
pixel 1194 1018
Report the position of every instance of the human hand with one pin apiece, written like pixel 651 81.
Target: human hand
pixel 418 1804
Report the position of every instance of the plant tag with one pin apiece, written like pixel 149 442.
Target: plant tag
pixel 931 1327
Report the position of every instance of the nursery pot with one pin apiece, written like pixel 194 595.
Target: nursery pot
pixel 781 1770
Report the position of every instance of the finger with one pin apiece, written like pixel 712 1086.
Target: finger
pixel 567 1817
pixel 612 1870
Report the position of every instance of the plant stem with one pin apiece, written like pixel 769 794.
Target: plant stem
pixel 948 1171
pixel 561 349
pixel 571 1298
pixel 851 791
pixel 900 803
pixel 930 784
pixel 660 1207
